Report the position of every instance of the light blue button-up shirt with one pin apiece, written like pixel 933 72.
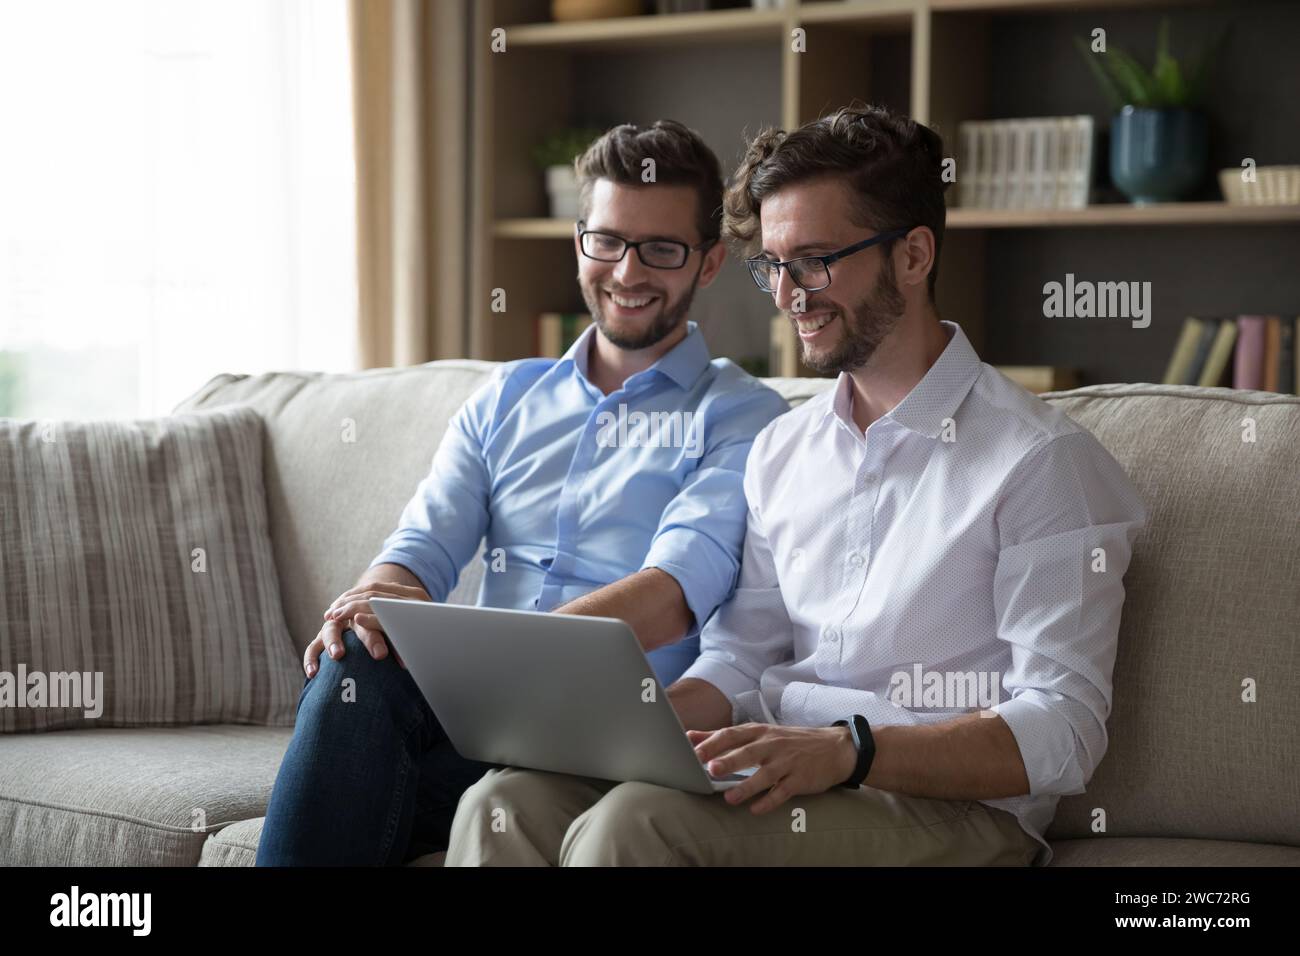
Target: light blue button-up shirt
pixel 575 489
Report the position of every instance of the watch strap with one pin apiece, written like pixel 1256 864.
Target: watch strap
pixel 864 743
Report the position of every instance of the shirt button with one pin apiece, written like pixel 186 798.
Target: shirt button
pixel 832 634
pixel 856 559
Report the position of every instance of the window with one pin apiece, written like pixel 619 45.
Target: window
pixel 177 199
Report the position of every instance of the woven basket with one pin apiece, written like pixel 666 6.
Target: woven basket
pixel 1273 186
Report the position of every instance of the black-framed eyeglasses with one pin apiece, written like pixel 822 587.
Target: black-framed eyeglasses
pixel 810 273
pixel 655 253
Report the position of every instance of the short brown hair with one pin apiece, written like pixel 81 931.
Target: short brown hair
pixel 892 164
pixel 681 158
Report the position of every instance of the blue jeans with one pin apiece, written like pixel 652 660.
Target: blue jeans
pixel 369 781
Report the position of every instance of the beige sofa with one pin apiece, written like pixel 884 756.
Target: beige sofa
pixel 1194 775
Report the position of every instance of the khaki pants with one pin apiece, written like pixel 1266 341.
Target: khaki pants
pixel 517 817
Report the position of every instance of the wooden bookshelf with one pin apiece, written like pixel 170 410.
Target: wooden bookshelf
pixel 623 33
pixel 1108 214
pixel 943 61
pixel 1049 6
pixel 1122 214
pixel 861 13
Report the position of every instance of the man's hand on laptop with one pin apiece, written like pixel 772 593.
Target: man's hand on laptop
pixel 790 760
pixel 352 609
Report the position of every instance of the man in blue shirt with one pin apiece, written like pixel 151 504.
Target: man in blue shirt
pixel 607 483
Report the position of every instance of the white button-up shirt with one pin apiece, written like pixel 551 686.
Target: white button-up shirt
pixel 965 554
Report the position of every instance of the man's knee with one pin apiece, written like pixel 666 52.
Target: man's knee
pixel 358 679
pixel 632 825
pixel 356 663
pixel 495 801
pixel 475 798
pixel 487 827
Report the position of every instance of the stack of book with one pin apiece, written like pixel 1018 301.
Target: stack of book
pixel 1249 351
pixel 1025 163
pixel 556 331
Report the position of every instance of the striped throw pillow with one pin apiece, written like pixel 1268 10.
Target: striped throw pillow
pixel 137 584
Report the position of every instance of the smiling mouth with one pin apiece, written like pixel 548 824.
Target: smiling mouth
pixel 812 324
pixel 631 303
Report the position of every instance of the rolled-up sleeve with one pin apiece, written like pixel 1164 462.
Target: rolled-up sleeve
pixel 752 631
pixel 702 530
pixel 1066 520
pixel 444 521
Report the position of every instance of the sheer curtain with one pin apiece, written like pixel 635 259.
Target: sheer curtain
pixel 177 199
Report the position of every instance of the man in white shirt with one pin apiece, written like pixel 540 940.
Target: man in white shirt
pixel 918 655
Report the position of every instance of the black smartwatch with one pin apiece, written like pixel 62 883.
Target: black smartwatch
pixel 865 745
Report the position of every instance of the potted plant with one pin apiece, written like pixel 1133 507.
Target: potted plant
pixel 1159 140
pixel 555 155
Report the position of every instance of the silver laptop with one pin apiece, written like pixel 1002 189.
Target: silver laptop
pixel 558 692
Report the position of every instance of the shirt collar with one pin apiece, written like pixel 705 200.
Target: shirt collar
pixel 933 399
pixel 683 363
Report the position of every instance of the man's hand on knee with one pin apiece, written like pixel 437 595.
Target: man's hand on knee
pixel 352 609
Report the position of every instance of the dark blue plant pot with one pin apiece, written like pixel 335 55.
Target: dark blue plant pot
pixel 1158 155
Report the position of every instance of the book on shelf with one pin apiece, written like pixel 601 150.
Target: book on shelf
pixel 1286 356
pixel 1280 371
pixel 556 331
pixel 1218 354
pixel 1209 330
pixel 1272 345
pixel 1038 163
pixel 1248 363
pixel 1266 357
pixel 1249 352
pixel 1180 362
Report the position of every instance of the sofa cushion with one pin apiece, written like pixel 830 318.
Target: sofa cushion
pixel 344 454
pixel 135 559
pixel 1143 851
pixel 131 797
pixel 236 845
pixel 796 391
pixel 1212 609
